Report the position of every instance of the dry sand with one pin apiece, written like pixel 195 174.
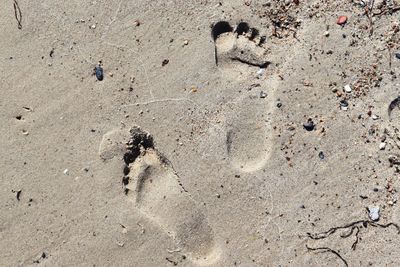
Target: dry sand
pixel 173 159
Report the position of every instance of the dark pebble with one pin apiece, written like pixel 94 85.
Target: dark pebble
pixel 321 155
pixel 397 55
pixel 99 73
pixel 344 103
pixel 165 62
pixel 309 125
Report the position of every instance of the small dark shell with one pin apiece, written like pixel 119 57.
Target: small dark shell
pixel 99 73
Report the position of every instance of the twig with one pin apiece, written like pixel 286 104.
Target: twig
pixel 18 14
pixel 368 12
pixel 353 224
pixel 326 249
pixel 353 246
pixel 384 12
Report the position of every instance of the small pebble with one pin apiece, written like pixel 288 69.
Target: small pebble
pixel 326 33
pixel 261 71
pixel 373 213
pixel 347 88
pixel 66 172
pixel 382 146
pixel 165 62
pixel 263 94
pixel 375 117
pixel 99 73
pixel 397 55
pixel 309 125
pixel 186 42
pixel 93 26
pixel 344 104
pixel 321 155
pixel 341 20
pixel 279 104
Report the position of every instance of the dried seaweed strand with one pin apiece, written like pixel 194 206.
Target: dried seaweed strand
pixel 326 249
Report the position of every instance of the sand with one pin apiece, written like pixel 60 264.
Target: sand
pixel 191 151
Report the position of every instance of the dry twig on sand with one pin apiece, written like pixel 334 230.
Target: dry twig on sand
pixel 326 249
pixel 352 226
pixel 18 14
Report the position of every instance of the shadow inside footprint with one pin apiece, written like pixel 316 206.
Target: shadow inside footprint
pixel 153 185
pixel 220 28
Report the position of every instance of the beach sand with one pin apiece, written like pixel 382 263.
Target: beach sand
pixel 192 150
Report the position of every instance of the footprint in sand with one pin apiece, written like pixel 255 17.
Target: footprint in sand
pixel 240 44
pixel 151 183
pixel 248 137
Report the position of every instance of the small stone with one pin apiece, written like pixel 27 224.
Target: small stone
pixel 93 26
pixel 347 88
pixel 261 71
pixel 186 42
pixel 66 172
pixel 344 105
pixel 321 155
pixel 397 55
pixel 326 33
pixel 111 74
pixel 165 62
pixel 279 104
pixel 309 125
pixel 98 70
pixel 136 23
pixel 382 146
pixel 375 117
pixel 373 213
pixel 341 20
pixel 25 132
pixel 390 203
pixel 263 94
